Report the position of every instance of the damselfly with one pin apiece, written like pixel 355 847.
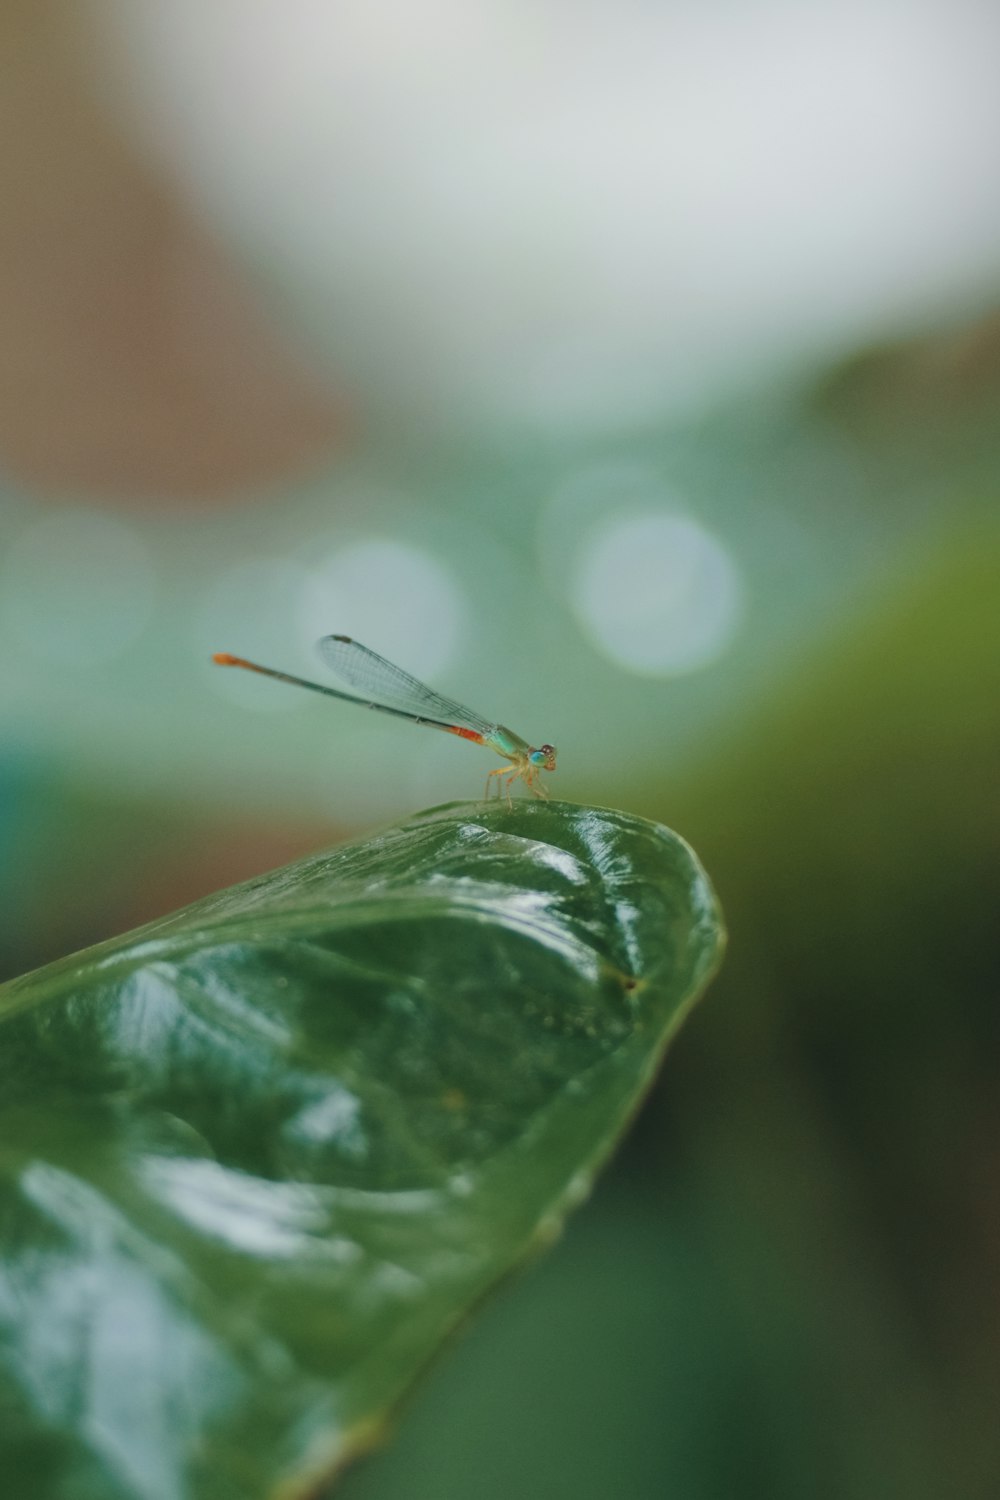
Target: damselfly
pixel 389 690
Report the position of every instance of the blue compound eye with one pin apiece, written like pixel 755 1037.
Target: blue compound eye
pixel 537 757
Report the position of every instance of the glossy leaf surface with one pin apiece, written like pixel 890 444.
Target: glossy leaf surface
pixel 258 1158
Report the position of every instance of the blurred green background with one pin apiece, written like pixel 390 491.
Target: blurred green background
pixel 634 375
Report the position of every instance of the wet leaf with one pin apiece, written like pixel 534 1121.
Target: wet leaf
pixel 258 1159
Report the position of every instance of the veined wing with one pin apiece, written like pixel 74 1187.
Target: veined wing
pixel 376 679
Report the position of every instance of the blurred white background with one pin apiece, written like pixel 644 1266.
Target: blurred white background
pixel 553 213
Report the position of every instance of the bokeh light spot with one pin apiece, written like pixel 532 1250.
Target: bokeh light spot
pixel 658 593
pixel 77 587
pixel 394 597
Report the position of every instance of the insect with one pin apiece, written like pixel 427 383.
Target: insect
pixel 389 690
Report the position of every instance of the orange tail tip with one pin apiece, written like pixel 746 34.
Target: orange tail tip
pixel 223 659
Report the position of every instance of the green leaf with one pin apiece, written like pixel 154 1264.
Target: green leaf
pixel 260 1157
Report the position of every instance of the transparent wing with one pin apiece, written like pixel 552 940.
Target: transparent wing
pixel 376 679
